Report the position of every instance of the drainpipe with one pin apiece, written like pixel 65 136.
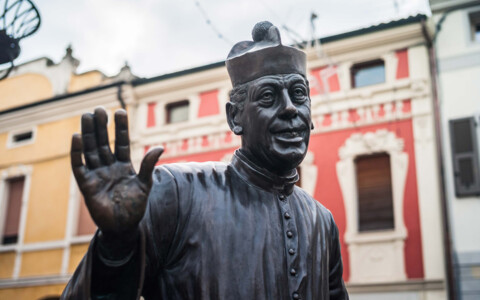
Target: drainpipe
pixel 447 240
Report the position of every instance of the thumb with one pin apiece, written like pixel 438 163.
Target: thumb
pixel 148 163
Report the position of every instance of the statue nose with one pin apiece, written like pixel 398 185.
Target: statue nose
pixel 289 110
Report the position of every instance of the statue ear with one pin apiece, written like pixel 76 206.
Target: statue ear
pixel 232 118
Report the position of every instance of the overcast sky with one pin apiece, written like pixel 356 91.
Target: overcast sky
pixel 159 36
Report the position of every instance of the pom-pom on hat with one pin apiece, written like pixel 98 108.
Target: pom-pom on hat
pixel 264 56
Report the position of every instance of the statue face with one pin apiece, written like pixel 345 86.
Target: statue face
pixel 276 122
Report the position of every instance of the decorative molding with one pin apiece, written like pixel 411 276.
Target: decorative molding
pixel 375 256
pixel 199 144
pixel 409 285
pixel 379 42
pixel 59 110
pixel 369 143
pixel 33 281
pixel 57 74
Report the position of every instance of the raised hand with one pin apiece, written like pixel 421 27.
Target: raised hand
pixel 115 195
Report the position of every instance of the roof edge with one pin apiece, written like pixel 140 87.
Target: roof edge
pixel 324 40
pixel 61 97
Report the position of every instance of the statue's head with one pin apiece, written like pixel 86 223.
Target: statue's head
pixel 270 103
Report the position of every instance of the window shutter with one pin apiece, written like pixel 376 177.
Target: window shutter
pixel 14 205
pixel 463 136
pixel 375 196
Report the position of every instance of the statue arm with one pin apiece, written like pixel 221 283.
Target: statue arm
pixel 336 284
pixel 104 278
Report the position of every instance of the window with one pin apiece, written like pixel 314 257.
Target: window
pixel 368 73
pixel 24 136
pixel 20 138
pixel 463 136
pixel 85 224
pixel 372 173
pixel 375 198
pixel 475 26
pixel 14 189
pixel 177 112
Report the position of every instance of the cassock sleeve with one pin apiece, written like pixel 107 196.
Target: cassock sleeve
pixel 129 279
pixel 336 284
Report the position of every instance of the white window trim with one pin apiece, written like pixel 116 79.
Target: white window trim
pixel 12 144
pixel 375 256
pixel 12 172
pixel 469 38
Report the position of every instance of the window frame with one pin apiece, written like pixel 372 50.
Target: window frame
pixel 359 217
pixel 461 191
pixel 354 68
pixel 11 143
pixel 6 175
pixel 391 241
pixel 19 247
pixel 172 105
pixel 5 205
pixel 473 22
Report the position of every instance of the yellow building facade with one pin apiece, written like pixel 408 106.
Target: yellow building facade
pixel 45 227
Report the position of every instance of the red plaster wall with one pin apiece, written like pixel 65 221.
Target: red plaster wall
pixel 151 114
pixel 333 83
pixel 208 104
pixel 325 148
pixel 402 64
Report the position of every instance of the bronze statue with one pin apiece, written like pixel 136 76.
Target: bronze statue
pixel 211 230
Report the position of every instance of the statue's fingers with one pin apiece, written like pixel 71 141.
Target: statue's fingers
pixel 122 141
pixel 147 165
pixel 103 144
pixel 78 168
pixel 89 142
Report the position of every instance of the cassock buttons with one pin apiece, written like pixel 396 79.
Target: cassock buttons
pixel 281 197
pixel 295 296
pixel 293 272
pixel 289 234
pixel 291 251
pixel 287 215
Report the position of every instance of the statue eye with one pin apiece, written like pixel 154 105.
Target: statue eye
pixel 299 94
pixel 267 97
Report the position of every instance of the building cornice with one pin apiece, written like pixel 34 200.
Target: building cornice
pixel 403 286
pixel 451 5
pixel 59 108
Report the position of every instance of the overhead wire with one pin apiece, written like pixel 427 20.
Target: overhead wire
pixel 210 23
pixel 292 34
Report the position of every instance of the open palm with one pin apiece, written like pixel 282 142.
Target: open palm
pixel 115 195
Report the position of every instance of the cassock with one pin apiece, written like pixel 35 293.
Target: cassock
pixel 222 231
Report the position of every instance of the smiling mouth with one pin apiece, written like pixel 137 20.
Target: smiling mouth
pixel 293 135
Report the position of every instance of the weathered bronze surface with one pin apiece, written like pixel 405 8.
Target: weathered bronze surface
pixel 241 230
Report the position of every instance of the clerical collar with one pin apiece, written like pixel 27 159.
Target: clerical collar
pixel 263 178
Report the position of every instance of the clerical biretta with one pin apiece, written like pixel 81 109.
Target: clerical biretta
pixel 241 230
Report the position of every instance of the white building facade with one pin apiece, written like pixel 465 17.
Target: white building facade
pixel 457 46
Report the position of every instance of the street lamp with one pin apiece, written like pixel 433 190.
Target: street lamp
pixel 18 19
